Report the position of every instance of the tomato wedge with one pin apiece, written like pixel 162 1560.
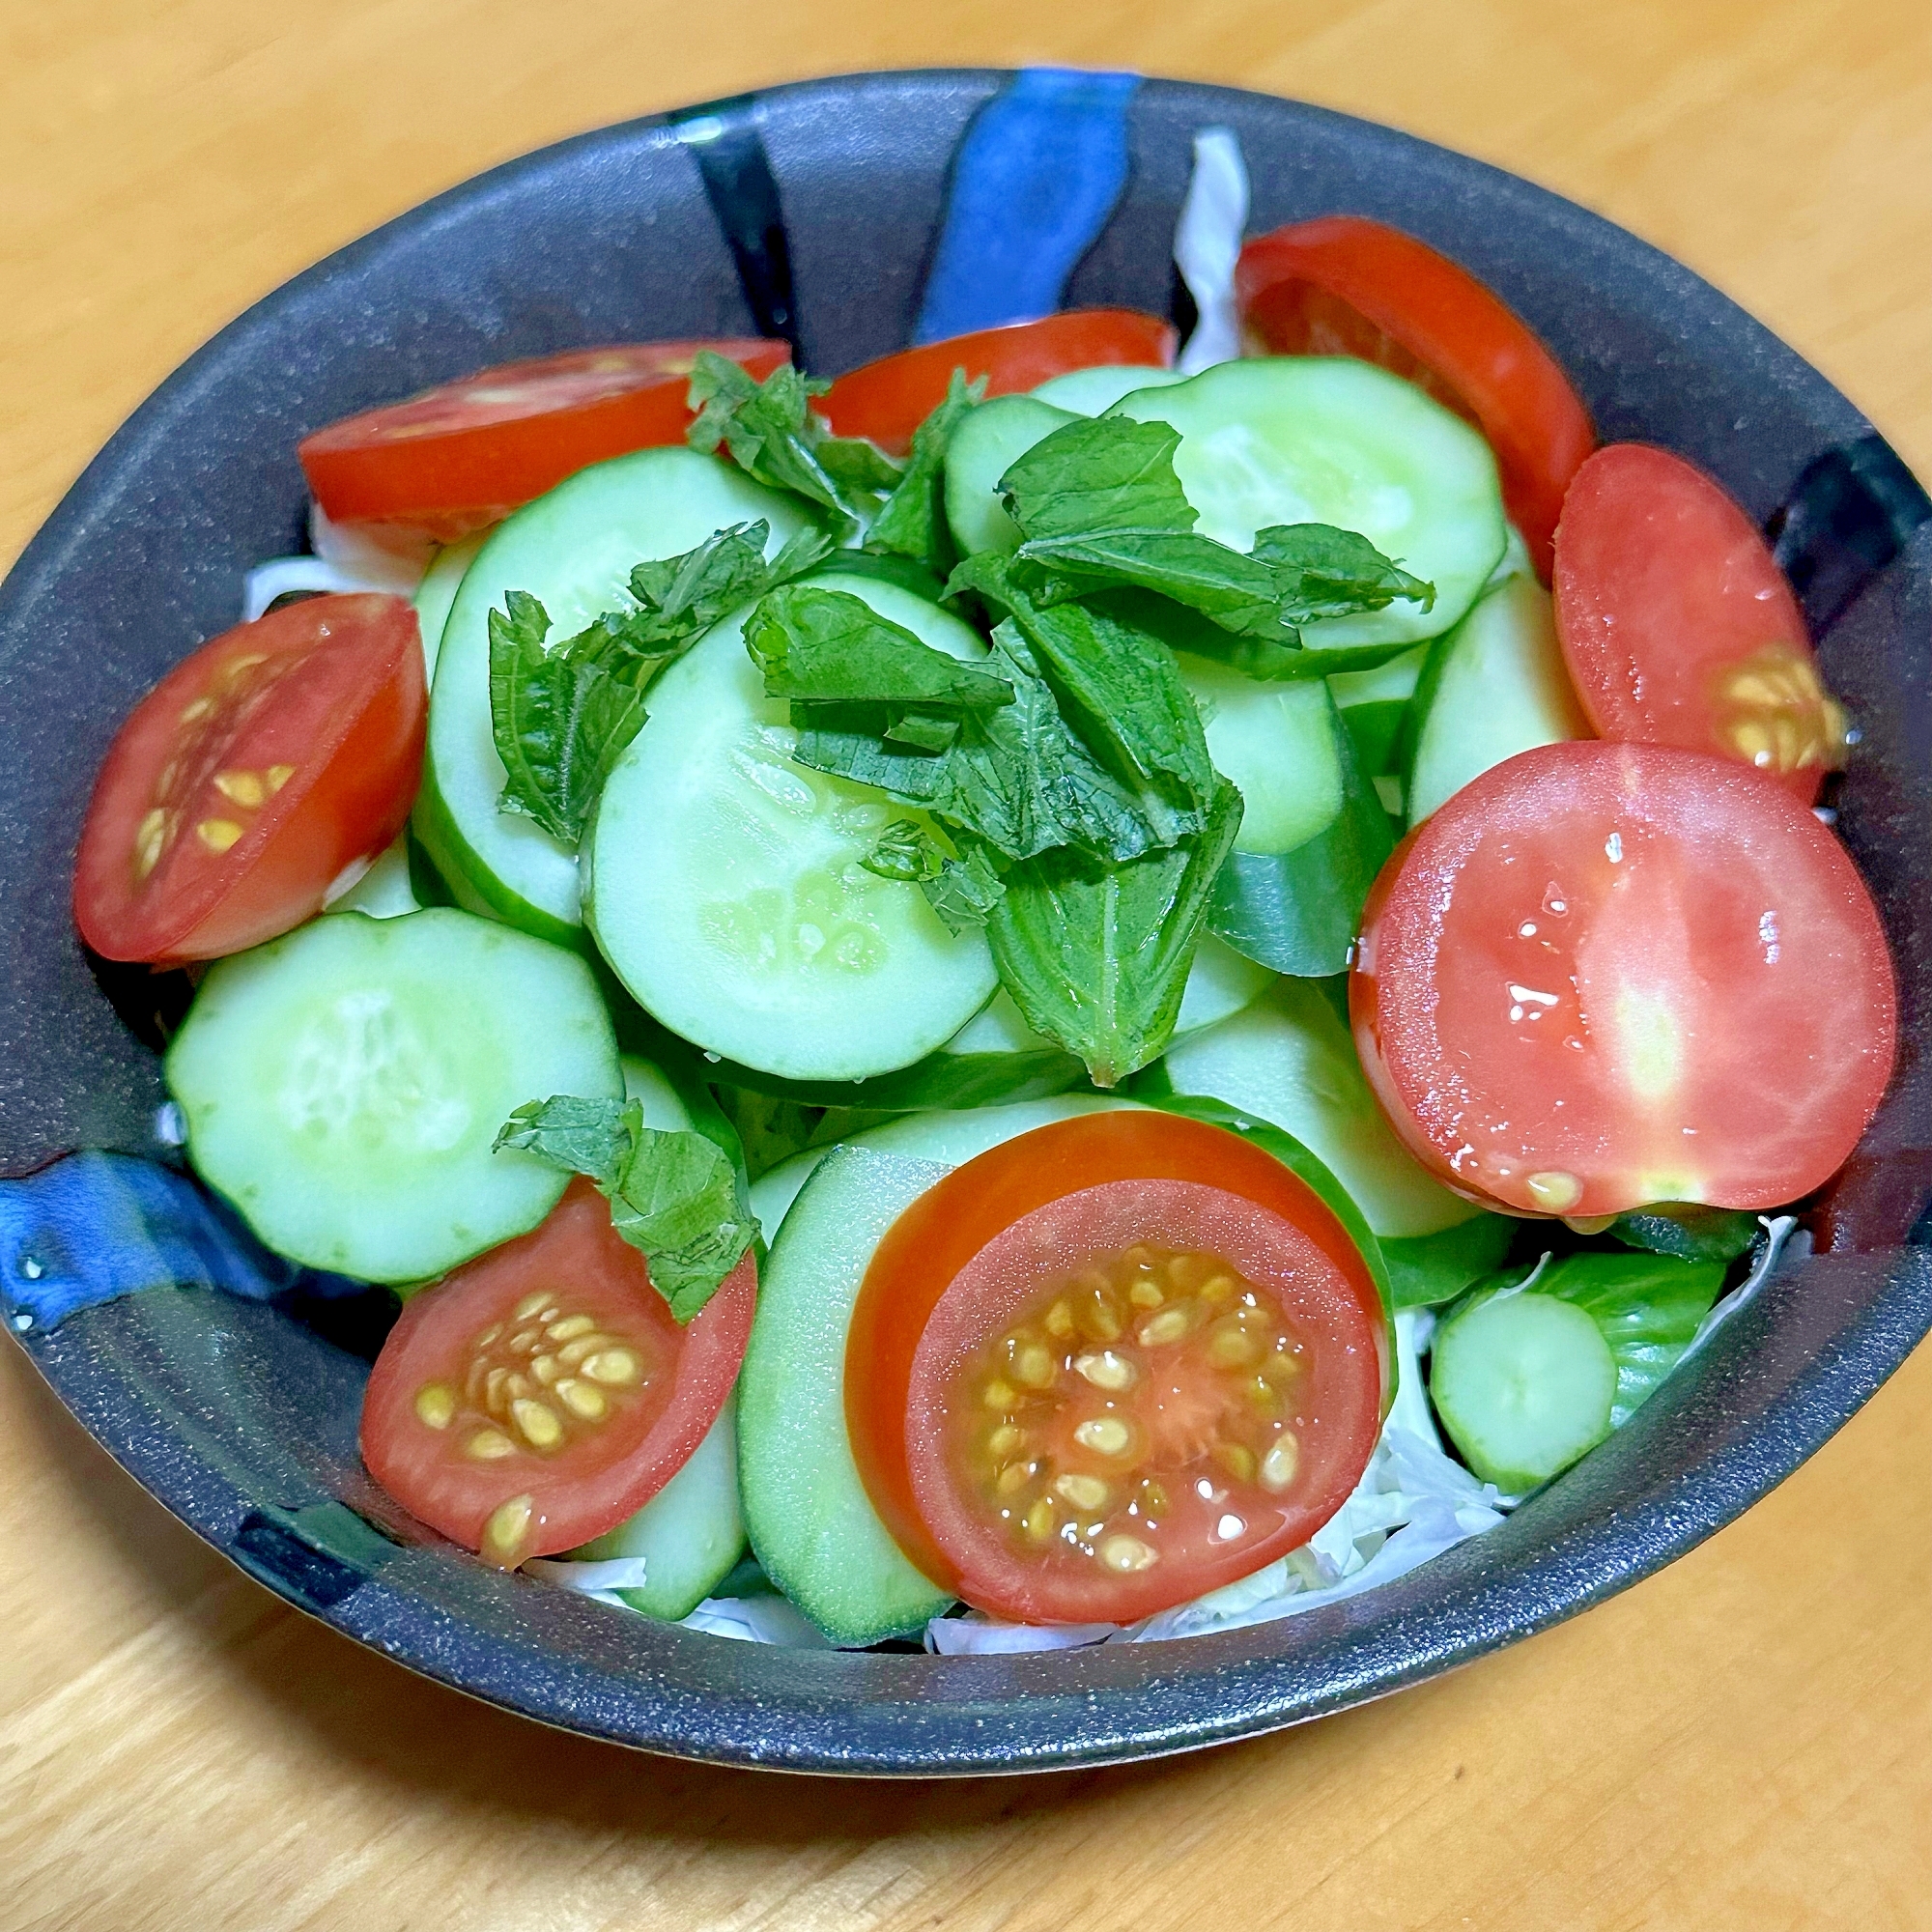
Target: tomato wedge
pixel 543 1394
pixel 464 455
pixel 272 764
pixel 1678 626
pixel 887 400
pixel 1110 1364
pixel 1344 285
pixel 1608 974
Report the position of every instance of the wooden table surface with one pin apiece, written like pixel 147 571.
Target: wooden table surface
pixel 1745 1741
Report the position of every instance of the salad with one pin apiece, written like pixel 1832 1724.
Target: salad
pixel 977 1004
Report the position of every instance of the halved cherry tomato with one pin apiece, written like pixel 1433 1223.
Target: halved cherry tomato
pixel 1110 1364
pixel 1608 974
pixel 1678 626
pixel 543 1394
pixel 1346 286
pixel 887 400
pixel 457 457
pixel 251 779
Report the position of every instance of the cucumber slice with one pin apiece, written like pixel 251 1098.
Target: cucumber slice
pixel 690 1534
pixel 983 449
pixel 1289 1060
pixel 573 549
pixel 952 1138
pixel 663 1105
pixel 1375 707
pixel 1276 741
pixel 1304 439
pixel 1495 686
pixel 1093 393
pixel 384 891
pixel 1525 1385
pixel 812 1526
pixel 724 883
pixel 437 592
pixel 343 1086
pixel 1298 911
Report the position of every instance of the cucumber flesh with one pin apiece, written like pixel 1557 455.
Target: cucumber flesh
pixel 812 1526
pixel 343 1086
pixel 437 592
pixel 949 1138
pixel 663 1105
pixel 1495 686
pixel 983 449
pixel 690 1534
pixel 1525 1385
pixel 725 887
pixel 1289 1060
pixel 1305 438
pixel 1276 741
pixel 384 891
pixel 574 550
pixel 1093 393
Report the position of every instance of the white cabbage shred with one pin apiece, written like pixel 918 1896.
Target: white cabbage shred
pixel 1206 245
pixel 344 559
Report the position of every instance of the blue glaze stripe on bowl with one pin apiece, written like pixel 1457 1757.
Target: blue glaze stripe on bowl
pixel 725 141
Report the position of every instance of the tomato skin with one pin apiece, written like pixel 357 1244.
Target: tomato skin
pixel 464 455
pixel 1669 605
pixel 955 1222
pixel 604 1473
pixel 328 696
pixel 1345 285
pixel 887 400
pixel 1664 946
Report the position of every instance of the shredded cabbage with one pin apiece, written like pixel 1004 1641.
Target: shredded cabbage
pixel 1206 245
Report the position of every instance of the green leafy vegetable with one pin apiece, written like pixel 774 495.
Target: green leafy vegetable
pixel 1100 508
pixel 1690 1233
pixel 674 1196
pixel 1120 690
pixel 912 522
pixel 773 435
pixel 1097 957
pixel 560 718
pixel 828 646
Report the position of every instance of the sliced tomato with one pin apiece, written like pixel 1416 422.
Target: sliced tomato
pixel 461 456
pixel 887 400
pixel 1678 626
pixel 1608 974
pixel 1346 286
pixel 544 1394
pixel 1110 1364
pixel 273 763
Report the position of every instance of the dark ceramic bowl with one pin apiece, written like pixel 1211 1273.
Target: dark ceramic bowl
pixel 815 208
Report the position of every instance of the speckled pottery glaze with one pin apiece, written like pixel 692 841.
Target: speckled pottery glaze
pixel 817 211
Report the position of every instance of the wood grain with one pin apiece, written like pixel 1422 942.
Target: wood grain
pixel 1741 1742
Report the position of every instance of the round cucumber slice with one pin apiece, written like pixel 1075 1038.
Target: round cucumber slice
pixel 573 550
pixel 1276 741
pixel 343 1087
pixel 983 449
pixel 726 887
pixel 1288 1059
pixel 1093 393
pixel 689 1535
pixel 436 593
pixel 1328 439
pixel 1525 1385
pixel 1495 686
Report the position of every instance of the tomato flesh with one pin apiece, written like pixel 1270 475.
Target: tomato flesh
pixel 254 777
pixel 464 455
pixel 1678 626
pixel 1344 285
pixel 1112 1364
pixel 1609 975
pixel 887 400
pixel 543 1394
